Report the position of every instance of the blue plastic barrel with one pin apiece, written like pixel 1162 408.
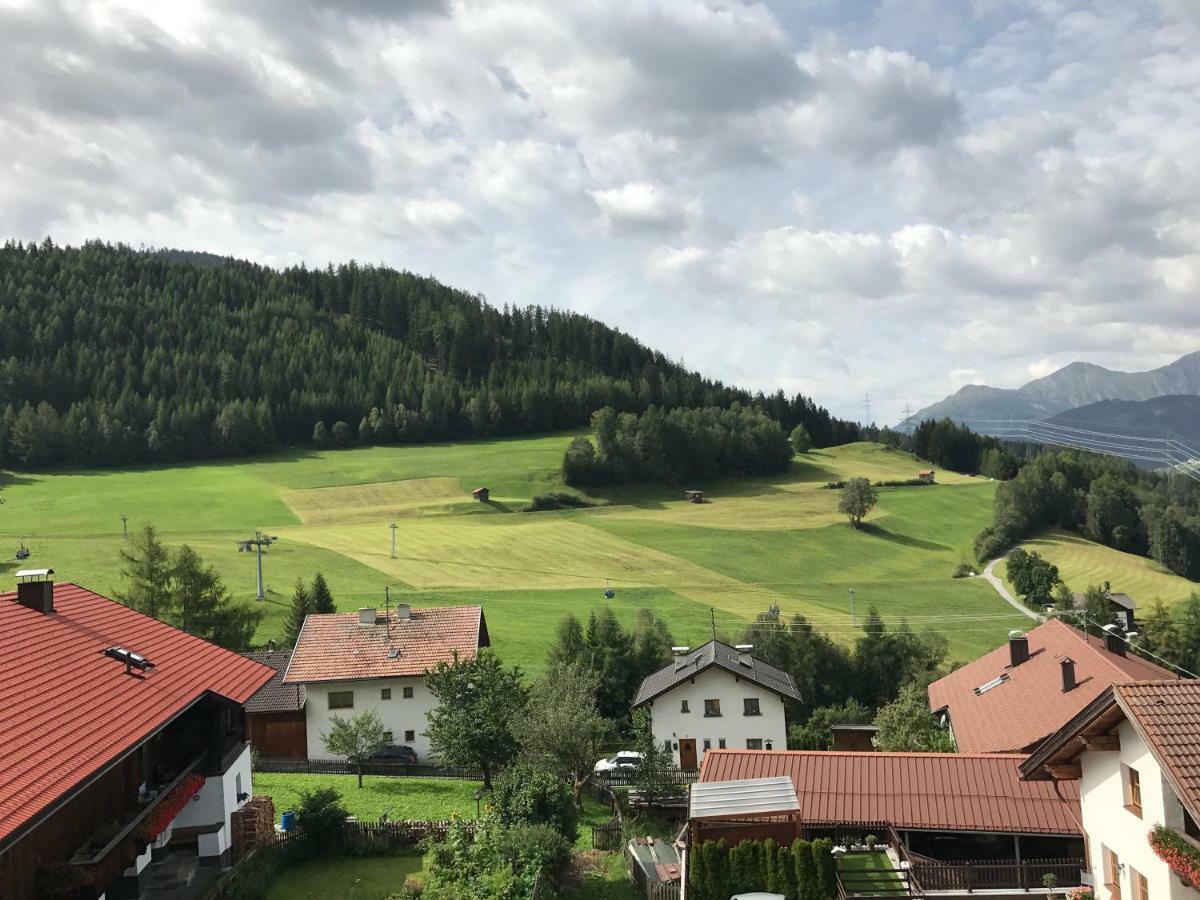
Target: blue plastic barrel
pixel 288 821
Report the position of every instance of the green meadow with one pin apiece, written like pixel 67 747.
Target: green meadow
pixel 753 543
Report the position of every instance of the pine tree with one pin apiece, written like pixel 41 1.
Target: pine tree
pixel 147 565
pixel 322 598
pixel 807 883
pixel 826 869
pixel 301 606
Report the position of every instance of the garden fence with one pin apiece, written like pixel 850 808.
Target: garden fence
pixel 628 777
pixel 341 767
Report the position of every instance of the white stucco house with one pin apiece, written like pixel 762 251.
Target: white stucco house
pixel 1135 752
pixel 715 698
pixel 350 662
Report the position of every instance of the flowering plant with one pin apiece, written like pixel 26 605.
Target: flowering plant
pixel 169 807
pixel 1081 893
pixel 1180 856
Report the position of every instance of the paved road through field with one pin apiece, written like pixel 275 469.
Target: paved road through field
pixel 1003 592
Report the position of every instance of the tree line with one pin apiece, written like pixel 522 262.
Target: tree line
pixel 1107 500
pixel 112 356
pixel 676 446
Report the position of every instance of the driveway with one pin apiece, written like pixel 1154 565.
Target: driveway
pixel 995 582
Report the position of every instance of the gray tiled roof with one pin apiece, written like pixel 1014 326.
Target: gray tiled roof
pixel 721 655
pixel 275 696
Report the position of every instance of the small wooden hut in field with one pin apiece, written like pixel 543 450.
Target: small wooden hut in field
pixel 481 494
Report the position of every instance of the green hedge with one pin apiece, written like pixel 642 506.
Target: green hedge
pixel 803 871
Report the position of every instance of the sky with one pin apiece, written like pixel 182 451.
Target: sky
pixel 835 197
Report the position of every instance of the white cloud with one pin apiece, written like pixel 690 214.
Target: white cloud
pixel 830 198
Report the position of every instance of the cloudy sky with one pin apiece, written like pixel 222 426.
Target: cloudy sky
pixel 829 196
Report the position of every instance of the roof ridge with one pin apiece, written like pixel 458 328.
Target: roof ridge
pixel 874 753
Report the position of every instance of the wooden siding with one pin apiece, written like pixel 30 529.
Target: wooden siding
pixel 57 838
pixel 278 735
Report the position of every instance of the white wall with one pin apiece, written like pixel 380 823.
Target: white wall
pixel 718 684
pixel 398 715
pixel 215 802
pixel 1109 824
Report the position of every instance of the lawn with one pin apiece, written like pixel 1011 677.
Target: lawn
pixel 361 878
pixel 402 798
pixel 757 540
pixel 858 865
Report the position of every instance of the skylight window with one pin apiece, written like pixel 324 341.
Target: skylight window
pixel 994 683
pixel 129 658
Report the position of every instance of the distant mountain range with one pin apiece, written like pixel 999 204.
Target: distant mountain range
pixel 1073 386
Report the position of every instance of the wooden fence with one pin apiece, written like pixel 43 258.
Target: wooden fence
pixel 985 874
pixel 607 836
pixel 628 777
pixel 340 767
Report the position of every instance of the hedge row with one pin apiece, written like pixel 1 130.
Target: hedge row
pixel 804 871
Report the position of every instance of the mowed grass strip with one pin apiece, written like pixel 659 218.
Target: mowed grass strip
pixel 375 501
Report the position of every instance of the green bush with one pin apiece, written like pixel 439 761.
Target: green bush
pixel 321 818
pixel 556 500
pixel 826 868
pixel 963 570
pixel 526 793
pixel 807 886
pixel 536 846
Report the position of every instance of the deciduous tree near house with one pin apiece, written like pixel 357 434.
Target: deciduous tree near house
pixel 654 770
pixel 858 498
pixel 563 726
pixel 480 712
pixel 906 725
pixel 358 738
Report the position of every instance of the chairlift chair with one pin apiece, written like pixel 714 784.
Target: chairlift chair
pixel 609 593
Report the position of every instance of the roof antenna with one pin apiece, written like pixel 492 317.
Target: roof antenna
pixel 712 615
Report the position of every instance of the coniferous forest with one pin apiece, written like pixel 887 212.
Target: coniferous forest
pixel 111 356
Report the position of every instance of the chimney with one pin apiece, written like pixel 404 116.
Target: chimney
pixel 403 611
pixel 366 615
pixel 35 589
pixel 680 654
pixel 1018 648
pixel 1113 640
pixel 1068 674
pixel 743 651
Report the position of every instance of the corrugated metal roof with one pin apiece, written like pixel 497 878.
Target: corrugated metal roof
pixel 69 711
pixel 723 656
pixel 935 791
pixel 743 797
pixel 275 696
pixel 1030 704
pixel 335 647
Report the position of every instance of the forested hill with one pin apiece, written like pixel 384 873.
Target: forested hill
pixel 110 355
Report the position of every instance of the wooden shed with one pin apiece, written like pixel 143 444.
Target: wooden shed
pixel 926 475
pixel 275 723
pixel 694 496
pixel 481 494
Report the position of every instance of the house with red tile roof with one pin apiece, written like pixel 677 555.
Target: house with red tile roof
pixel 122 739
pixel 1133 754
pixel 350 662
pixel 1013 698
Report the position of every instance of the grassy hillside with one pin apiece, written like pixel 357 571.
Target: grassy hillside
pixel 1082 563
pixel 756 542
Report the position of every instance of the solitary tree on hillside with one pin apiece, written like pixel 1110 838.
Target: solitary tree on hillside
pixel 480 711
pixel 800 439
pixel 858 498
pixel 322 597
pixel 357 739
pixel 147 565
pixel 302 605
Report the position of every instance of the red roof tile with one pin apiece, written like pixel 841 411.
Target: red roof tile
pixel 69 711
pixel 1030 705
pixel 336 647
pixel 937 791
pixel 1167 713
